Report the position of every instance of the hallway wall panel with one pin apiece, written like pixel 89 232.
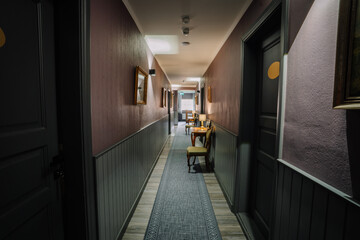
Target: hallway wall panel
pixel 224 154
pixel 315 135
pixel 117 47
pixel 121 175
pixel 307 210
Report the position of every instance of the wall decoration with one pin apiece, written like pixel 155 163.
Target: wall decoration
pixel 164 97
pixel 209 94
pixel 274 70
pixel 347 70
pixel 141 80
pixel 2 38
pixel 196 99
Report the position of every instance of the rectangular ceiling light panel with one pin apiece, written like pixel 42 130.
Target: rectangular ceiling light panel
pixel 163 44
pixel 193 79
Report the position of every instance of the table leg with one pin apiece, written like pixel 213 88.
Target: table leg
pixel 193 138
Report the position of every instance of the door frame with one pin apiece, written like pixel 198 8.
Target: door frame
pixel 72 31
pixel 169 93
pixel 246 136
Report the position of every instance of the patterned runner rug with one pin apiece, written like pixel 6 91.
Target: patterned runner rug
pixel 182 208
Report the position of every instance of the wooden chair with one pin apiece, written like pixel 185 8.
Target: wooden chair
pixel 190 121
pixel 189 117
pixel 187 128
pixel 201 151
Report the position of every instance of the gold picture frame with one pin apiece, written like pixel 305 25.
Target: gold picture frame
pixel 209 97
pixel 164 91
pixel 141 82
pixel 347 69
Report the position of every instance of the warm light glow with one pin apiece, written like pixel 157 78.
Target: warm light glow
pixel 175 85
pixel 202 117
pixel 163 44
pixel 193 79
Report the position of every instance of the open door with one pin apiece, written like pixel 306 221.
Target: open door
pixel 30 202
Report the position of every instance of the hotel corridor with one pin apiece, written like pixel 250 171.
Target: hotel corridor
pixel 95 97
pixel 227 223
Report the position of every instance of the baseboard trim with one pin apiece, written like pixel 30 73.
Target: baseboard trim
pixel 250 229
pixel 231 205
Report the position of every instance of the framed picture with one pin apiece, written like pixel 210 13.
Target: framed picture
pixel 164 97
pixel 347 70
pixel 141 81
pixel 209 94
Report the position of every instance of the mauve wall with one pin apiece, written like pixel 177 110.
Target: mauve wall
pixel 224 73
pixel 315 138
pixel 297 11
pixel 117 47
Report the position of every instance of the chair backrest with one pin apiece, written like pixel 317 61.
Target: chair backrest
pixel 208 138
pixel 188 114
pixel 208 123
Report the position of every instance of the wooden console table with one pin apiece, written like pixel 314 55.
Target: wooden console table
pixel 197 132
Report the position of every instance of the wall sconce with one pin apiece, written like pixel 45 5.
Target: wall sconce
pixel 152 72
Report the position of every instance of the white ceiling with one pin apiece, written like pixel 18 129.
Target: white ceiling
pixel 211 22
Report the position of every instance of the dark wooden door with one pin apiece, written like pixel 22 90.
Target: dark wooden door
pixel 30 206
pixel 264 153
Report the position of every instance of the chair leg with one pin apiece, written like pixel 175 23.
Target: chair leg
pixel 194 160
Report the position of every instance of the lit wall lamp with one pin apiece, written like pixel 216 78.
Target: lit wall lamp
pixel 152 72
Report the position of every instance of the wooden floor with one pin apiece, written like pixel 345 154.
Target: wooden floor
pixel 228 224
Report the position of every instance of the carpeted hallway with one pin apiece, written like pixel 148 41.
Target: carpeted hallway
pixel 188 205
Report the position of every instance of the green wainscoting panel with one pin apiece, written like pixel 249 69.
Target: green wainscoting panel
pixel 224 160
pixel 305 208
pixel 121 175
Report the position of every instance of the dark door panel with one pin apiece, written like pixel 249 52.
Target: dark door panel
pixel 264 152
pixel 264 188
pixel 20 99
pixel 29 205
pixel 33 227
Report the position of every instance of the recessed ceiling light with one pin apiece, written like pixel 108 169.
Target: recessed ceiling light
pixel 186 31
pixel 185 43
pixel 162 44
pixel 185 19
pixel 193 79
